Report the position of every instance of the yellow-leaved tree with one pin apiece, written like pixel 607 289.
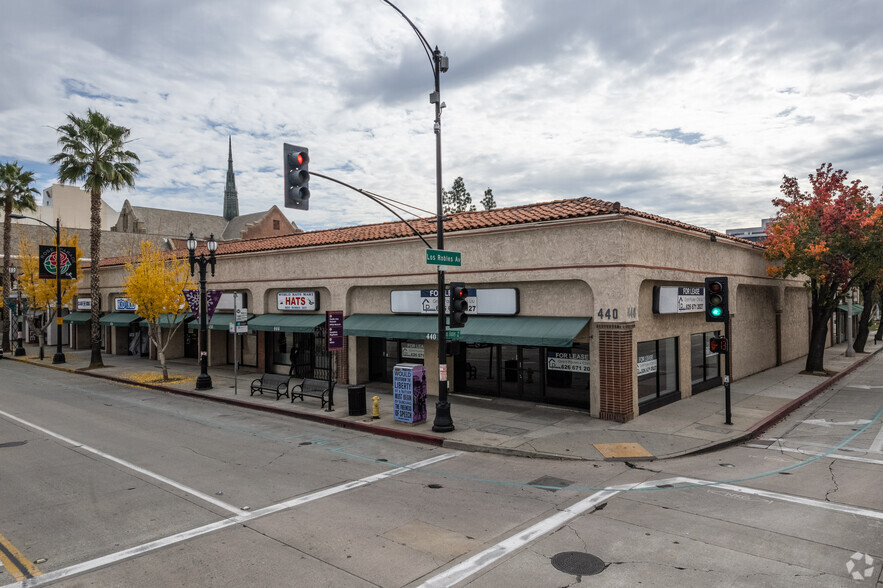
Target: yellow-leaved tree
pixel 42 293
pixel 156 282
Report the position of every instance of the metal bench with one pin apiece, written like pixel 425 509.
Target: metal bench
pixel 271 383
pixel 315 389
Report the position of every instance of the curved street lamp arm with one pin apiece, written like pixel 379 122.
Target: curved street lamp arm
pixel 375 199
pixel 426 46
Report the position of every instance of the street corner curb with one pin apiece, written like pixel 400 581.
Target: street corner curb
pixel 317 418
pixel 761 426
pixel 474 448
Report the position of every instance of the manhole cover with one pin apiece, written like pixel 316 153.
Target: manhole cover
pixel 578 563
pixel 550 483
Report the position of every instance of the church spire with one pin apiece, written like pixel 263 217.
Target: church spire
pixel 231 199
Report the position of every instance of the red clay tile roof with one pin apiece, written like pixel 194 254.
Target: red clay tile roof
pixel 459 221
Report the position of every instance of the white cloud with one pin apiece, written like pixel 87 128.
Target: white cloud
pixel 690 110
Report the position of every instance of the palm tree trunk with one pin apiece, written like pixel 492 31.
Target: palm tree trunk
pixel 94 278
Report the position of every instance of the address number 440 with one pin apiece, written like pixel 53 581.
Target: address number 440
pixel 613 314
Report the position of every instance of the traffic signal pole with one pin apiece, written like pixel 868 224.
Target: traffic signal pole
pixel 728 368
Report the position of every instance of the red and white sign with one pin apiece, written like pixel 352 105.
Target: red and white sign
pixel 297 300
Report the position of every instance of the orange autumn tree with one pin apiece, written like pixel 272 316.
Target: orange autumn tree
pixel 822 235
pixel 42 294
pixel 156 283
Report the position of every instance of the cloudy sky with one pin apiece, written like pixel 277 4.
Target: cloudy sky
pixel 692 110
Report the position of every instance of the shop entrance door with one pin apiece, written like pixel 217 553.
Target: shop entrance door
pixel 522 372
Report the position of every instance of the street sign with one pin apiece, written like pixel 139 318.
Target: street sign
pixel 238 328
pixel 440 257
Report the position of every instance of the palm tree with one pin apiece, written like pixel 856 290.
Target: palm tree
pixel 93 151
pixel 16 193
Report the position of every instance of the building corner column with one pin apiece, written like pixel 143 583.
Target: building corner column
pixel 616 366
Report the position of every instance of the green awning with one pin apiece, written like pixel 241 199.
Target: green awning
pixel 522 330
pixel 76 318
pixel 538 331
pixel 119 319
pixel 218 322
pixel 390 326
pixel 167 321
pixel 291 323
pixel 856 308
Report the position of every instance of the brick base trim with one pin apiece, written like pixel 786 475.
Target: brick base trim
pixel 616 370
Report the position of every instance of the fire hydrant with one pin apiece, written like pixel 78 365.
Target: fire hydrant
pixel 375 410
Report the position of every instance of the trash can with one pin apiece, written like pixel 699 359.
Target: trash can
pixel 357 400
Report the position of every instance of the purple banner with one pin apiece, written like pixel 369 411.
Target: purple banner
pixel 211 296
pixel 334 329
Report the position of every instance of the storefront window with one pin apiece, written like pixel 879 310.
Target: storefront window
pixel 281 344
pixel 704 365
pixel 384 354
pixel 567 375
pixel 657 370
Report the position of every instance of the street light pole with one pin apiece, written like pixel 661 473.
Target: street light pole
pixel 203 381
pixel 20 348
pixel 439 63
pixel 59 354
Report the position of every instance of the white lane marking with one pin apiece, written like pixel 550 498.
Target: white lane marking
pixel 877 443
pixel 485 558
pixel 481 560
pixel 138 550
pixel 844 508
pixel 808 452
pixel 124 463
pixel 822 445
pixel 824 423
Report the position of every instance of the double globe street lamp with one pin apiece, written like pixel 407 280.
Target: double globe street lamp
pixel 204 381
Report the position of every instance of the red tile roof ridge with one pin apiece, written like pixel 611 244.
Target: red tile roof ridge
pixel 455 221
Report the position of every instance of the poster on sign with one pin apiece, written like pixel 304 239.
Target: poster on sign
pixel 409 393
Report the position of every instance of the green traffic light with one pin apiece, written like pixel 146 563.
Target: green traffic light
pixel 716 311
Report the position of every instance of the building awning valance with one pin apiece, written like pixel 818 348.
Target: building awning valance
pixel 218 322
pixel 77 318
pixel 119 319
pixel 167 321
pixel 538 331
pixel 856 308
pixel 523 330
pixel 291 323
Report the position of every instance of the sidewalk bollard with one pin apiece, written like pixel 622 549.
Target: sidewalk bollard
pixel 375 410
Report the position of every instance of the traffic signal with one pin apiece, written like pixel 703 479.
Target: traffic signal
pixel 297 176
pixel 716 305
pixel 719 345
pixel 459 304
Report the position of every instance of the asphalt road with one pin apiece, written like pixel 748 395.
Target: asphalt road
pixel 110 485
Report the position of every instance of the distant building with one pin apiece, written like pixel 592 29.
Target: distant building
pixel 756 234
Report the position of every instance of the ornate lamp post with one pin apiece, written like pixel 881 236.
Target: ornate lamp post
pixel 59 354
pixel 204 381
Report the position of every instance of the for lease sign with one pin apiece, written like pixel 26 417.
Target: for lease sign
pixel 297 300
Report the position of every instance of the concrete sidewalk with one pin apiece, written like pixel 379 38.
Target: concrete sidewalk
pixel 514 427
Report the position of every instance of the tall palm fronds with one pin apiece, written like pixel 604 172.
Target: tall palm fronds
pixel 93 151
pixel 16 193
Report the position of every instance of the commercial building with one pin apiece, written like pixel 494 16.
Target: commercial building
pixel 579 302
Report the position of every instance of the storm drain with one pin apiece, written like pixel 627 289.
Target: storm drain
pixel 550 483
pixel 578 563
